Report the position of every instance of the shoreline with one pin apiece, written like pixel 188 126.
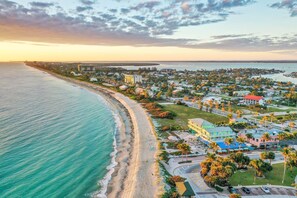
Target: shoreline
pixel 136 173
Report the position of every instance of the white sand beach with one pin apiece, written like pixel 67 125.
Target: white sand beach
pixel 137 172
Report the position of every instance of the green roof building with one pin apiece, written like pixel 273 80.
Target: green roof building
pixel 209 131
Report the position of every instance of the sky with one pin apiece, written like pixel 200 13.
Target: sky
pixel 148 30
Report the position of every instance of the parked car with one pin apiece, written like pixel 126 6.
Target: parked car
pixel 232 190
pixel 246 190
pixel 265 189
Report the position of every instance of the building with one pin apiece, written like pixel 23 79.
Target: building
pixel 184 190
pixel 209 131
pixel 86 68
pixel 133 79
pixel 241 93
pixel 253 100
pixel 257 139
pixel 93 79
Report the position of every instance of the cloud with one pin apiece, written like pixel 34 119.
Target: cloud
pixel 132 25
pixel 83 8
pixel 88 2
pixel 250 43
pixel 291 5
pixel 41 4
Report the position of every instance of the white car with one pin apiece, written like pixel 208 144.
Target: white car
pixel 265 189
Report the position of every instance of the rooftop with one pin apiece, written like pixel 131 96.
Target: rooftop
pixel 202 123
pixel 184 189
pixel 252 97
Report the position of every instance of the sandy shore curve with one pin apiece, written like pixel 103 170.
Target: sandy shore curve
pixel 137 173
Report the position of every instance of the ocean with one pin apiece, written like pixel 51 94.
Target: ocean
pixel 56 138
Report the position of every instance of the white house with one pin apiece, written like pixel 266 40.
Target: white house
pixel 253 100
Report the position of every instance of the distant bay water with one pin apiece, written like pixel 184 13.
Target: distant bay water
pixel 55 138
pixel 193 66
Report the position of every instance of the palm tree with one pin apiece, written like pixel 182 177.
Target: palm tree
pixel 264 119
pixel 256 165
pixel 240 140
pixel 184 148
pixel 249 136
pixel 266 137
pixel 223 107
pixel 282 136
pixel 217 105
pixel 199 104
pixel 267 155
pixel 272 117
pixel 230 116
pixel 239 113
pixel 228 142
pixel 260 167
pixel 271 156
pixel 214 146
pixel 292 125
pixel 285 153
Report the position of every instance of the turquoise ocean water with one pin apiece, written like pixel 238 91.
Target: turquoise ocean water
pixel 55 138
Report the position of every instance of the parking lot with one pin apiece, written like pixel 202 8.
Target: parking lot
pixel 273 191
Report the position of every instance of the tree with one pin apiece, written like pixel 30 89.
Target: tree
pixel 285 153
pixel 271 156
pixel 240 159
pixel 264 120
pixel 223 107
pixel 184 148
pixel 282 136
pixel 272 117
pixel 234 196
pixel 214 146
pixel 239 113
pixel 171 180
pixel 266 137
pixel 267 156
pixel 199 103
pixel 240 140
pixel 228 142
pixel 217 104
pixel 229 107
pixel 249 136
pixel 159 95
pixel 230 116
pixel 292 125
pixel 260 167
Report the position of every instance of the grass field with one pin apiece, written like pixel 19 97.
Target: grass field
pixel 184 113
pixel 274 177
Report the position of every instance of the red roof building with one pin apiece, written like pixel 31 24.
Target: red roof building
pixel 252 100
pixel 251 97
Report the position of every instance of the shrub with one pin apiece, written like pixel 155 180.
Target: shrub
pixel 171 180
pixel 219 189
pixel 170 194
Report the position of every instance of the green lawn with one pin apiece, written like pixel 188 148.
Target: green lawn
pixel 274 177
pixel 184 113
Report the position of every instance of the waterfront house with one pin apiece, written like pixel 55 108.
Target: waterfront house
pixel 209 131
